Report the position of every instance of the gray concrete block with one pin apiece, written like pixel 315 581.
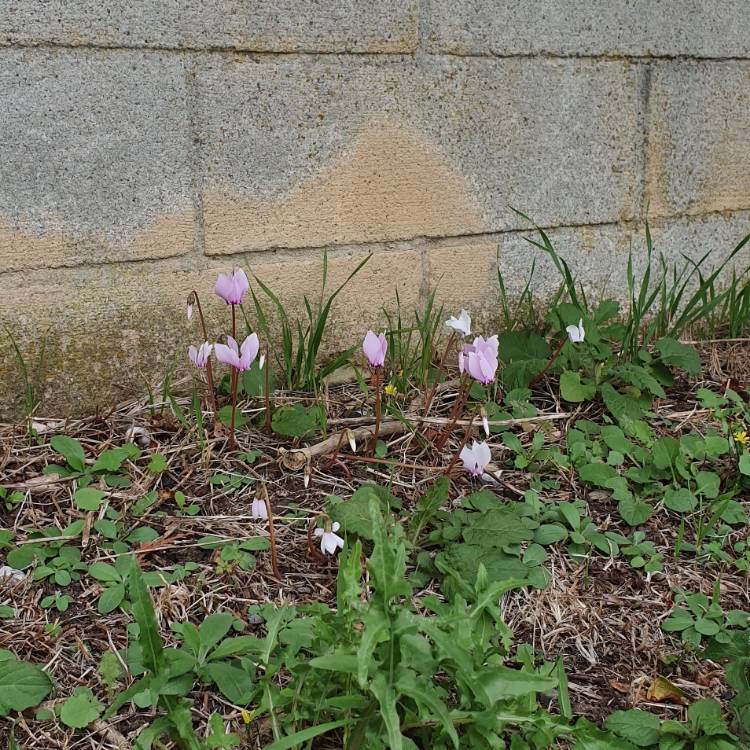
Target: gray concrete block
pixel 304 153
pixel 582 27
pixel 259 25
pixel 698 157
pixel 95 157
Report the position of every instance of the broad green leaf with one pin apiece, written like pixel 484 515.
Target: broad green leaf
pixel 143 611
pixel 303 736
pixel 680 500
pixel 496 528
pixel 680 619
pixel 69 448
pixel 501 683
pixel 573 390
pixel 640 727
pixel 597 473
pixel 679 355
pixel 635 512
pixel 424 695
pixel 111 599
pixel 295 421
pixel 549 533
pixel 104 572
pixel 88 498
pixel 80 709
pixel 386 698
pixel 213 629
pixel 233 681
pixel 22 685
pixel 346 663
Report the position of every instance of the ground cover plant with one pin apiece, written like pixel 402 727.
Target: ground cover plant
pixel 532 536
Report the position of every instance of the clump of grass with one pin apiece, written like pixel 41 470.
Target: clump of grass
pixel 31 375
pixel 297 357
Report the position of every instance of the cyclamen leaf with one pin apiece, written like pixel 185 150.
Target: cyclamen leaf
pixel 22 685
pixel 573 390
pixel 71 449
pixel 80 709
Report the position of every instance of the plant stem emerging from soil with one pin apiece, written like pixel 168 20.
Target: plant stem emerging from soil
pixel 209 371
pixel 271 534
pixel 441 366
pixel 458 407
pixel 549 364
pixel 376 431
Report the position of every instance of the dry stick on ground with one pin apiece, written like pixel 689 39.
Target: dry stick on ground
pixel 299 457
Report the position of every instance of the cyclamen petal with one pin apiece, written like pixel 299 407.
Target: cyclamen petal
pixel 232 287
pixel 475 458
pixel 461 324
pixel 375 348
pixel 576 333
pixel 259 510
pixel 249 351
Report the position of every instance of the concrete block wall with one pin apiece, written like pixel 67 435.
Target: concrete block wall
pixel 146 145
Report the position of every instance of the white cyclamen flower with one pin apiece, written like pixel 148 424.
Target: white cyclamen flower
pixel 259 510
pixel 475 458
pixel 461 324
pixel 329 540
pixel 576 333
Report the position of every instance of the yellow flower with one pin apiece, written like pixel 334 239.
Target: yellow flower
pixel 741 437
pixel 391 389
pixel 246 715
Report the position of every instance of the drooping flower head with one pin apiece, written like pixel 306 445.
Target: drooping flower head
pixel 242 357
pixel 329 540
pixel 232 287
pixel 461 324
pixel 480 359
pixel 258 510
pixel 475 458
pixel 199 355
pixel 189 306
pixel 576 333
pixel 375 348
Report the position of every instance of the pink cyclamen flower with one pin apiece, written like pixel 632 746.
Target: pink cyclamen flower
pixel 242 357
pixel 375 348
pixel 475 458
pixel 232 287
pixel 329 540
pixel 199 356
pixel 480 359
pixel 259 510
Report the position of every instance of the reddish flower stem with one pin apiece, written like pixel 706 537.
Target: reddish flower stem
pixel 266 394
pixel 376 386
pixel 458 406
pixel 209 371
pixel 441 366
pixel 233 381
pixel 465 440
pixel 271 534
pixel 549 364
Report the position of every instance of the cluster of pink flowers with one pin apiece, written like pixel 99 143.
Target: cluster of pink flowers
pixel 232 289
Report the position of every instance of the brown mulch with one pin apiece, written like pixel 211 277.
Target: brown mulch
pixel 603 617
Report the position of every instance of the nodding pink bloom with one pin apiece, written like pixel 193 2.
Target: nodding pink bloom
pixel 576 333
pixel 461 324
pixel 375 348
pixel 242 357
pixel 329 540
pixel 232 287
pixel 258 510
pixel 199 356
pixel 475 458
pixel 480 359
